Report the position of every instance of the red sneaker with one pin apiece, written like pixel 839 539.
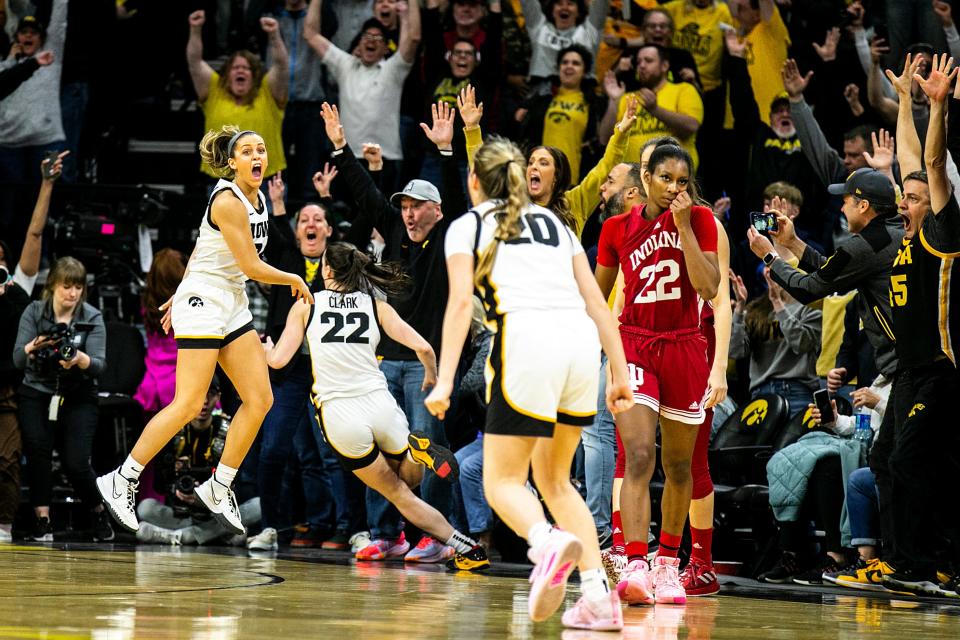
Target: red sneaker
pixel 381 549
pixel 699 579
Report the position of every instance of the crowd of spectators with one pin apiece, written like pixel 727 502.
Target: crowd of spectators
pixel 371 111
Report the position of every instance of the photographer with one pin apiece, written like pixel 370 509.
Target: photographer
pixel 187 461
pixel 61 346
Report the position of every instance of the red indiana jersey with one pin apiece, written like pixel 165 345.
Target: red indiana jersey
pixel 659 295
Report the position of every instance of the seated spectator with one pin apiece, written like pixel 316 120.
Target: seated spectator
pixel 568 116
pixel 61 346
pixel 807 481
pixel 558 24
pixel 782 338
pixel 187 461
pixel 30 122
pixel 667 108
pixel 241 93
pixel 370 83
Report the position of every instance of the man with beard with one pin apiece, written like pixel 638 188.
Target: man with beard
pixel 668 108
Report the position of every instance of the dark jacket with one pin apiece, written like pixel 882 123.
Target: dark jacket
pixel 423 306
pixel 12 305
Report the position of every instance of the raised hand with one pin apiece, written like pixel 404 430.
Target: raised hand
pixel 878 48
pixel 331 121
pixel 612 87
pixel 44 58
pixel 269 25
pixel 740 293
pixel 944 11
pixel 883 146
pixel 903 83
pixel 629 114
pixel 735 46
pixel 275 188
pixel 373 154
pixel 828 50
pixel 470 111
pixel 937 84
pixel 793 82
pixel 197 18
pixel 441 133
pixel 851 93
pixel 52 173
pixel 323 179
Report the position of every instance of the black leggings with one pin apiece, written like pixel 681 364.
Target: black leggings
pixel 72 435
pixel 822 504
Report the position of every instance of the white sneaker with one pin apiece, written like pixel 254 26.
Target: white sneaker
pixel 5 537
pixel 120 497
pixel 359 540
pixel 222 503
pixel 153 534
pixel 266 540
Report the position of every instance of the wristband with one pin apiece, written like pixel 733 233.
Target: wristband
pixel 447 153
pixel 337 152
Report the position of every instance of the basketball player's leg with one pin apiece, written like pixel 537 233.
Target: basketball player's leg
pixel 638 431
pixel 676 454
pixel 505 471
pixel 245 364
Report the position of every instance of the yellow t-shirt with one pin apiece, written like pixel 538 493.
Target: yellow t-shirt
pixel 564 125
pixel 264 116
pixel 698 31
pixel 831 332
pixel 766 52
pixel 678 97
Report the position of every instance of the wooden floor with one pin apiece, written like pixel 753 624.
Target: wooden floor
pixel 77 591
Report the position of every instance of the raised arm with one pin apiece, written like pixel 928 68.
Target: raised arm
pixel 937 88
pixel 409 30
pixel 29 263
pixel 200 71
pixel 886 107
pixel 279 355
pixel 908 142
pixel 614 90
pixel 401 332
pixel 597 15
pixel 311 29
pixel 470 113
pixel 452 195
pixel 278 77
pixel 822 157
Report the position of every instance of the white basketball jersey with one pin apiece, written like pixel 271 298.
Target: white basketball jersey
pixel 342 336
pixel 212 256
pixel 533 272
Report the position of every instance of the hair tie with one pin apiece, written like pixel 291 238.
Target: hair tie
pixel 233 140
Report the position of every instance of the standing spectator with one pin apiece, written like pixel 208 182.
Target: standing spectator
pixel 58 398
pixel 555 26
pixel 370 83
pixel 668 108
pixel 696 28
pixel 241 93
pixel 766 39
pixel 350 16
pixel 623 29
pixel 30 122
pixel 910 21
pixel 303 138
pixel 467 15
pixel 658 29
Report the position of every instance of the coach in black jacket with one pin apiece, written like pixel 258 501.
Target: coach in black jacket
pixel 414 224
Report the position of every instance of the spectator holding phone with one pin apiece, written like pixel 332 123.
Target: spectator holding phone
pixel 61 344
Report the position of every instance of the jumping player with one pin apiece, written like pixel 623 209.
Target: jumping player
pixel 212 324
pixel 667 250
pixel 542 374
pixel 359 418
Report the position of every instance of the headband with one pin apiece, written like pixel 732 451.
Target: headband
pixel 234 139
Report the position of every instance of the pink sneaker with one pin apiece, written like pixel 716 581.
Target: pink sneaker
pixel 635 586
pixel 555 561
pixel 595 616
pixel 665 578
pixel 382 548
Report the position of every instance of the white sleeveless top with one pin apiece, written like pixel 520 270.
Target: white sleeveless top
pixel 342 335
pixel 212 256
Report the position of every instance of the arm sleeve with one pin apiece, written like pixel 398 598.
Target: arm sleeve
pixel 942 233
pixel 823 158
pixel 811 260
pixel 840 273
pixel 863 50
pixel 26 332
pixel 585 197
pixel 533 15
pixel 607 254
pixel 598 15
pixel 96 346
pixel 801 328
pixel 454 199
pixel 739 340
pixel 953 40
pixel 461 236
pixel 24 281
pixel 16 75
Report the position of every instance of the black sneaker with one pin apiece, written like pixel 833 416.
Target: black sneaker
pixel 787 568
pixel 438 459
pixel 308 536
pixel 102 531
pixel 41 531
pixel 473 560
pixel 951 588
pixel 912 581
pixel 814 576
pixel 605 538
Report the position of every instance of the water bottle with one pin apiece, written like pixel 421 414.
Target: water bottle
pixel 864 432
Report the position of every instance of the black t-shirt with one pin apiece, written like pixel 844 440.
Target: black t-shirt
pixel 924 286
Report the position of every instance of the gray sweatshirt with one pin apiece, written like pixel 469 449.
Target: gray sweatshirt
pixel 792 356
pixel 38 319
pixel 30 116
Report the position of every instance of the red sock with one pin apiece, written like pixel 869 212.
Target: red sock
pixel 669 545
pixel 701 540
pixel 637 550
pixel 619 542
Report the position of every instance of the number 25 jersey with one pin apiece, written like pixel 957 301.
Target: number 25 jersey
pixel 659 296
pixel 342 335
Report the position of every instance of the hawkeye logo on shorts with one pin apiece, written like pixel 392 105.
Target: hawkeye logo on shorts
pixel 195 301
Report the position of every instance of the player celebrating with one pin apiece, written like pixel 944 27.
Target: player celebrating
pixel 538 292
pixel 667 250
pixel 359 418
pixel 212 324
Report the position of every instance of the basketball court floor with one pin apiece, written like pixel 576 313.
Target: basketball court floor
pixel 67 591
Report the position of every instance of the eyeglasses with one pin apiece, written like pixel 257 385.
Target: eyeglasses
pixel 658 26
pixel 462 53
pixel 375 37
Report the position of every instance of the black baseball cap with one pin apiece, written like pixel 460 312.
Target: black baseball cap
pixel 31 22
pixel 868 184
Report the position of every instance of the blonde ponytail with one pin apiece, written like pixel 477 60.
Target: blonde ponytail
pixel 215 149
pixel 499 168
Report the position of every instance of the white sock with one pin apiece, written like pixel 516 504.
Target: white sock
pixel 537 536
pixel 460 542
pixel 131 469
pixel 225 475
pixel 593 585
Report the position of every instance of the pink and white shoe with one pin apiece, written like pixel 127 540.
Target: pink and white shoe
pixel 554 562
pixel 665 578
pixel 635 586
pixel 605 615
